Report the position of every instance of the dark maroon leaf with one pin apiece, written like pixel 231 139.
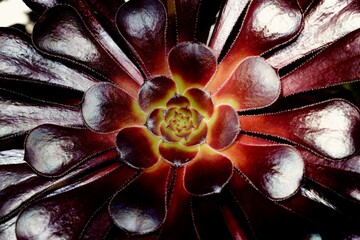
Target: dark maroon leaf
pixel 254 84
pixel 329 128
pixel 154 121
pixel 339 63
pixel 224 25
pixel 70 39
pixel 186 18
pixel 191 65
pixel 208 173
pixel 177 154
pixel 20 61
pixel 108 108
pixel 137 147
pixel 147 36
pixel 155 92
pixel 275 170
pixel 259 34
pixel 201 101
pixel 178 224
pixel 65 215
pixel 267 219
pixel 52 150
pixel 223 127
pixel 326 22
pixel 131 212
pixel 17 116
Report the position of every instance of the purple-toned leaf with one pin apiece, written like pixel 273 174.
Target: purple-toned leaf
pixel 275 170
pixel 19 60
pixel 19 116
pixel 142 23
pixel 177 154
pixel 154 121
pixel 171 33
pixel 191 65
pixel 108 108
pixel 326 22
pixel 70 39
pixel 267 219
pixel 40 6
pixel 305 4
pixel 259 34
pixel 198 136
pixel 201 101
pixel 65 215
pixel 141 207
pixel 341 176
pixel 329 128
pixel 208 173
pixel 186 19
pixel 223 127
pixel 339 63
pixel 178 101
pixel 137 147
pixel 52 150
pixel 155 92
pixel 254 84
pixel 13 156
pixel 178 224
pixel 227 20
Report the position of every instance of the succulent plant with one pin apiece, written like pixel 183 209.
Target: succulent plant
pixel 181 119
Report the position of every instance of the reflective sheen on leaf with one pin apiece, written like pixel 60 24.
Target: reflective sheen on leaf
pixel 155 92
pixel 208 173
pixel 191 65
pixel 201 101
pixel 177 154
pixel 141 207
pixel 223 127
pixel 52 150
pixel 275 170
pixel 142 23
pixel 108 108
pixel 137 147
pixel 254 84
pixel 329 128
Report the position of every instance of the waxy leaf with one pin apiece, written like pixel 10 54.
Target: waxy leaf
pixel 329 128
pixel 52 150
pixel 142 23
pixel 108 108
pixel 254 84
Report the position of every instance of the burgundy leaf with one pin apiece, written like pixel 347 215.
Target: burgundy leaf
pixel 223 127
pixel 326 22
pixel 70 39
pixel 131 213
pixel 65 215
pixel 154 121
pixel 259 34
pixel 191 65
pixel 329 128
pixel 147 36
pixel 186 18
pixel 19 60
pixel 208 173
pixel 137 147
pixel 155 92
pixel 108 108
pixel 254 84
pixel 339 63
pixel 275 170
pixel 267 219
pixel 52 150
pixel 177 154
pixel 201 101
pixel 178 224
pixel 228 18
pixel 19 116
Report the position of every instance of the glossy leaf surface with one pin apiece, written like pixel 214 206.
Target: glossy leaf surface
pixel 52 150
pixel 108 108
pixel 254 84
pixel 329 128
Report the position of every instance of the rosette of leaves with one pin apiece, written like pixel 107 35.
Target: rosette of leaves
pixel 152 119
